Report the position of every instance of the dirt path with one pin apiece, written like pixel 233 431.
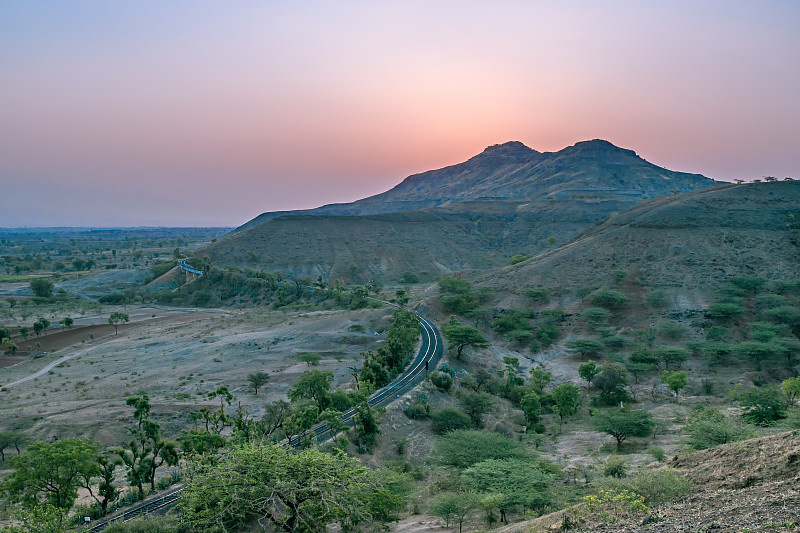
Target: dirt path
pixel 54 364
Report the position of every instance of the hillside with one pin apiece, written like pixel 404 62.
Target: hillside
pixel 744 486
pixel 512 171
pixel 689 242
pixel 429 242
pixel 508 200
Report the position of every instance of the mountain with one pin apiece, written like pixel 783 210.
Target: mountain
pixel 505 201
pixel 512 171
pixel 690 242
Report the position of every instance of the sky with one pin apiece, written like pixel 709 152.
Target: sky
pixel 208 113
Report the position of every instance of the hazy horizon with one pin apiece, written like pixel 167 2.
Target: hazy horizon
pixel 192 114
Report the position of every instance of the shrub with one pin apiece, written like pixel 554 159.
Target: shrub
pixel 464 448
pixel 615 467
pixel 608 298
pixel 595 317
pixel 763 405
pixel 672 330
pixel 442 380
pixel 538 295
pixel 449 419
pixel 708 428
pixel 657 453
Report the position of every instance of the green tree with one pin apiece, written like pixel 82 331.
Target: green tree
pixel 538 295
pixel 367 426
pixel 51 473
pixel 116 319
pixel 672 355
pixel 763 406
pixel 42 518
pixel 463 448
pixel 595 317
pixel 708 428
pixel 257 380
pixel 448 419
pixel 67 321
pixel 463 336
pixel 454 507
pixel 587 371
pixel 520 482
pixel 675 381
pixel 313 385
pixel 147 450
pixel 611 382
pixel 791 389
pixel 759 351
pixel 42 287
pixel 475 404
pixel 44 322
pixel 624 423
pixel 608 298
pixel 566 398
pixel 531 406
pixel 293 490
pixel 584 347
pixel 724 312
pixel 310 359
pixel 333 421
pixel 456 295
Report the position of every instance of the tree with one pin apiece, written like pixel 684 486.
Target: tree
pixel 759 351
pixel 708 428
pixel 763 405
pixel 475 404
pixel 520 483
pixel 462 336
pixel 293 490
pixel 42 287
pixel 611 381
pixel 106 491
pixel 454 507
pixel 584 347
pixel 587 371
pixel 567 397
pixel 45 323
pixel 463 448
pixel 623 424
pixel 313 385
pixel 367 430
pixel 448 419
pixel 37 328
pixel 531 406
pixel 67 321
pixel 456 295
pixel 608 298
pixel 595 317
pixel 333 421
pixel 310 359
pixel 257 380
pixel 675 381
pixel 52 473
pixel 116 319
pixel 791 389
pixel 147 451
pixel 42 518
pixel 672 355
pixel 538 295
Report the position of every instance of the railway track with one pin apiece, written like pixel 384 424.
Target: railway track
pixel 425 361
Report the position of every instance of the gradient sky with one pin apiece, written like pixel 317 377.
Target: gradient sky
pixel 187 113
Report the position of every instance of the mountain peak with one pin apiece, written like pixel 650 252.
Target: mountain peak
pixel 508 149
pixel 598 146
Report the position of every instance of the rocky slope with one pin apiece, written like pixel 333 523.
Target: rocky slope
pixel 690 241
pixel 512 171
pixel 508 200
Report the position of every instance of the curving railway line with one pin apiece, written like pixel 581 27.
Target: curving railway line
pixel 425 361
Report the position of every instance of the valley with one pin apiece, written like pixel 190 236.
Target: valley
pixel 615 333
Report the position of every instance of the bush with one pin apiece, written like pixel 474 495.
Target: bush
pixel 442 380
pixel 418 411
pixel 608 298
pixel 763 405
pixel 538 295
pixel 464 448
pixel 662 485
pixel 615 467
pixel 150 524
pixel 708 428
pixel 449 419
pixel 657 453
pixel 672 330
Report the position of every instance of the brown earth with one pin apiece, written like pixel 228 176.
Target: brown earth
pixel 688 243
